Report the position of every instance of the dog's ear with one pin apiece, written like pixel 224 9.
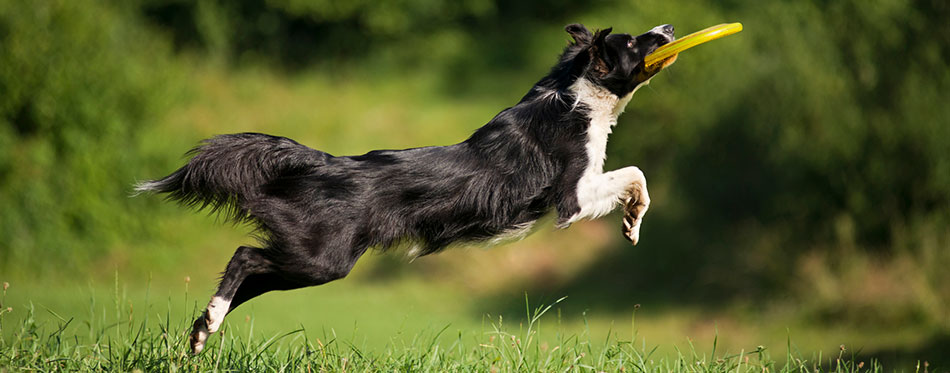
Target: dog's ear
pixel 600 36
pixel 580 33
pixel 598 52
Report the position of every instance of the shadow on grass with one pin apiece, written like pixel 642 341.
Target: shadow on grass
pixel 667 273
pixel 933 355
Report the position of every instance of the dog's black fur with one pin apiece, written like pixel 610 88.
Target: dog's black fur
pixel 317 213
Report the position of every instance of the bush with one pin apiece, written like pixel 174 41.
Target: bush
pixel 80 81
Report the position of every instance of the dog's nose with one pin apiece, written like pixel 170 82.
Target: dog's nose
pixel 667 29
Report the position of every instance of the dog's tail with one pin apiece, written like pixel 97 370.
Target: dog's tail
pixel 226 171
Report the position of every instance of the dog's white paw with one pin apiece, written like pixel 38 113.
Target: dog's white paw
pixel 634 207
pixel 209 323
pixel 199 334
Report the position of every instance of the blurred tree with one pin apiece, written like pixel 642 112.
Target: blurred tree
pixel 300 33
pixel 78 82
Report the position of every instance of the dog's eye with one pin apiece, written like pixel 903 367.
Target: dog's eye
pixel 630 43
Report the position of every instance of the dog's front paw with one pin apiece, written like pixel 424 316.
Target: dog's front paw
pixel 635 205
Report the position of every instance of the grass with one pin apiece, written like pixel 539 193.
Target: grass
pixel 376 314
pixel 125 340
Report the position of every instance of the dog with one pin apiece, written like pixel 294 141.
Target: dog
pixel 315 214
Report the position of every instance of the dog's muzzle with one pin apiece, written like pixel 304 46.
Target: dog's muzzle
pixel 666 31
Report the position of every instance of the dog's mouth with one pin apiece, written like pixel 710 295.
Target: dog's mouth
pixel 660 35
pixel 668 61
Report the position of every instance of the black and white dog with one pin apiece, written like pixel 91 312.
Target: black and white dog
pixel 317 214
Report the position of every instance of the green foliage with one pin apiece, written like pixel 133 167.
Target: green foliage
pixel 78 82
pixel 295 34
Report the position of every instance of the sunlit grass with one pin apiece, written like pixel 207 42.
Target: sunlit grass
pixel 388 321
pixel 115 336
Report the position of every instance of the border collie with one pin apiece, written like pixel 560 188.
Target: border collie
pixel 316 214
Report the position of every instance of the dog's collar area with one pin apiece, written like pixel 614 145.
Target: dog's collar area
pixel 601 99
pixel 591 94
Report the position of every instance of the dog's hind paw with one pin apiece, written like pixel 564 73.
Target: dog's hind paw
pixel 209 323
pixel 199 334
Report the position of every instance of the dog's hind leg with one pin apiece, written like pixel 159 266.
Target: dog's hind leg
pixel 250 273
pixel 258 284
pixel 247 261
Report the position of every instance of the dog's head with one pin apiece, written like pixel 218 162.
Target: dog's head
pixel 614 61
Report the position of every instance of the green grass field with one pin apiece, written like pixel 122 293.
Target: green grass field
pixel 359 325
pixel 123 335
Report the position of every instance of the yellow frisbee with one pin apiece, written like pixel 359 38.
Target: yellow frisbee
pixel 666 53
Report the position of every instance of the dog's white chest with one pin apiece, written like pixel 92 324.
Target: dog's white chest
pixel 604 108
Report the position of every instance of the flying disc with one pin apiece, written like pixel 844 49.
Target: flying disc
pixel 659 58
